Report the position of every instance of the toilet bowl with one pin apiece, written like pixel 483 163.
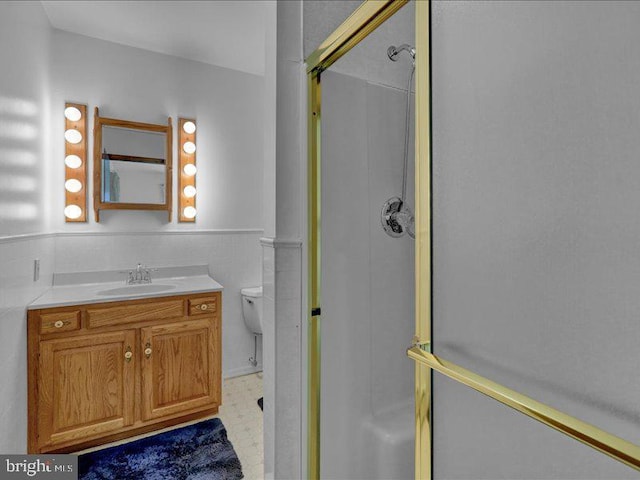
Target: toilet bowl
pixel 252 308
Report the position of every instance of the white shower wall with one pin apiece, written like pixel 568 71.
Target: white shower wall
pixel 367 284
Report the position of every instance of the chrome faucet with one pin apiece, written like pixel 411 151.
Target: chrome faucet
pixel 139 275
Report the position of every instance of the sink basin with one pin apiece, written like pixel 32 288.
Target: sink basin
pixel 136 289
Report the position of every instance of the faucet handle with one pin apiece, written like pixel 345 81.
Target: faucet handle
pixel 146 273
pixel 129 274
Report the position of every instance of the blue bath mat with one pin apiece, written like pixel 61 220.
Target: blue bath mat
pixel 197 452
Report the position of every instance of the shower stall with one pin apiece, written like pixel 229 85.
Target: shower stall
pixel 368 292
pixel 509 151
pixel 368 257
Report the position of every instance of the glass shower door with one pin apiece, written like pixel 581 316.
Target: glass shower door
pixel 530 191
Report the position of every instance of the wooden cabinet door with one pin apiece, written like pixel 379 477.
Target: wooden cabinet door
pixel 85 386
pixel 180 368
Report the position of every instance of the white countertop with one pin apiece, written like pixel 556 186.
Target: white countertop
pixel 83 288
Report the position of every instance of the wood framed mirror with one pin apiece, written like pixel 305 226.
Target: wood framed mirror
pixel 132 165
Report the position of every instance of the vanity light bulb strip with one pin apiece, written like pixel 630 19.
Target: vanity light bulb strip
pixel 75 161
pixel 187 171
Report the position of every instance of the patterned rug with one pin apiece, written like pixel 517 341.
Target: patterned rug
pixel 197 452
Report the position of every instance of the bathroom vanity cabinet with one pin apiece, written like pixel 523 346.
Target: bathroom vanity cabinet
pixel 105 371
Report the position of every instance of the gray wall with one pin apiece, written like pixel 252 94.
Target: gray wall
pixel 146 86
pixel 24 167
pixel 283 263
pixel 24 105
pixel 536 144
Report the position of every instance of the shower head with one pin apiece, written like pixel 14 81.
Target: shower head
pixel 393 51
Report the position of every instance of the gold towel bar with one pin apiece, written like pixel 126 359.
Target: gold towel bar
pixel 622 450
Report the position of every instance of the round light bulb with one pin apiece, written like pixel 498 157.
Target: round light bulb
pixel 73 161
pixel 73 185
pixel 72 211
pixel 189 212
pixel 72 114
pixel 189 147
pixel 189 169
pixel 73 136
pixel 189 191
pixel 189 127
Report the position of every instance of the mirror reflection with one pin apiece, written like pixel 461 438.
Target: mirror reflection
pixel 133 166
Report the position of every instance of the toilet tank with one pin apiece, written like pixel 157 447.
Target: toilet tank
pixel 252 308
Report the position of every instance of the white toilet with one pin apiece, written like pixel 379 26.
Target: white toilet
pixel 252 313
pixel 252 308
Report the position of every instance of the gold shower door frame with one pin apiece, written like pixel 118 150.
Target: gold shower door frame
pixel 361 23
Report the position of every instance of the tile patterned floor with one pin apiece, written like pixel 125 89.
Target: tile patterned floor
pixel 242 418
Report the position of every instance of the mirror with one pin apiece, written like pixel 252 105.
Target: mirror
pixel 132 165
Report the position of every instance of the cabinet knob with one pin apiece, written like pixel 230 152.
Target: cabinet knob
pixel 204 306
pixel 128 354
pixel 147 350
pixel 59 324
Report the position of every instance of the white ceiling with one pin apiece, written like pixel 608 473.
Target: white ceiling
pixel 229 33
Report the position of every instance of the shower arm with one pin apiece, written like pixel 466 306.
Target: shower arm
pixel 393 51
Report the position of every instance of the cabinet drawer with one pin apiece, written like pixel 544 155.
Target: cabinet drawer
pixel 109 316
pixel 59 322
pixel 199 306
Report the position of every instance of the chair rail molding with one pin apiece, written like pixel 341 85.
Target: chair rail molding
pixel 275 242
